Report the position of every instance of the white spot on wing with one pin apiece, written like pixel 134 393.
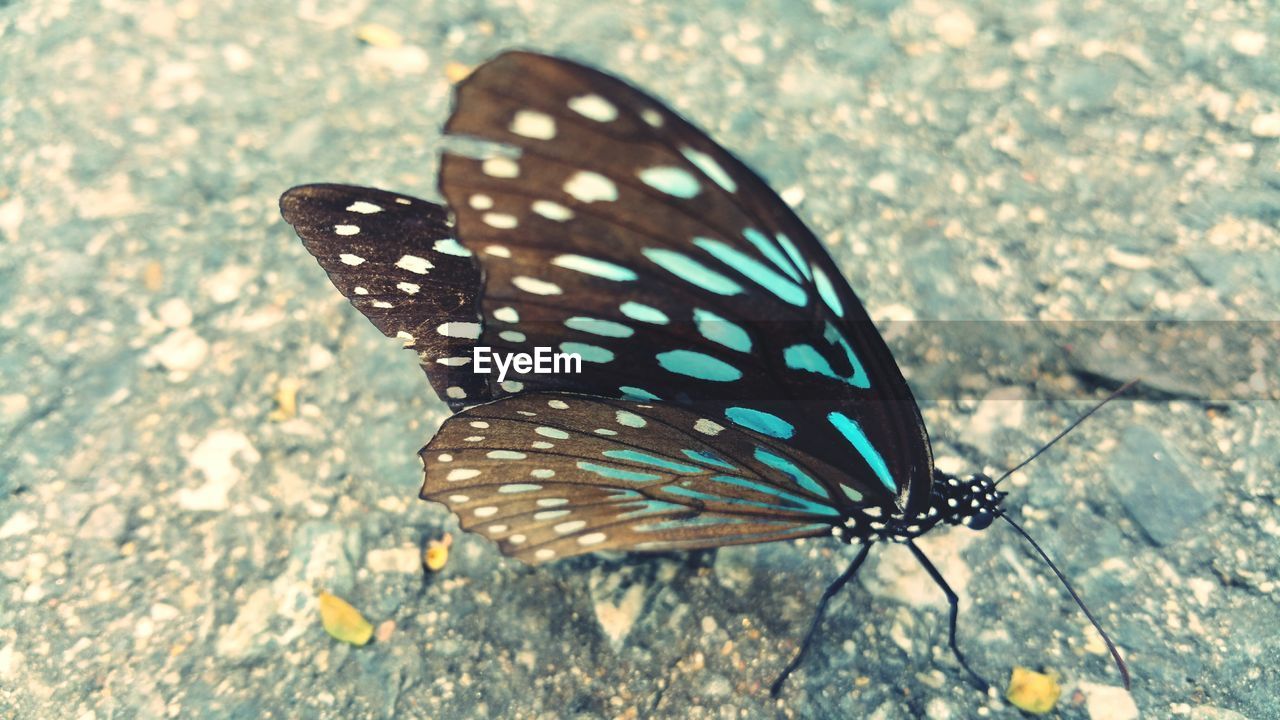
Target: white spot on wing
pixel 586 186
pixel 536 286
pixel 501 221
pixel 594 107
pixel 545 554
pixel 500 167
pixel 486 511
pixel 652 117
pixel 565 528
pixel 460 330
pixel 506 315
pixel 501 251
pixel 364 208
pixel 359 290
pixel 450 246
pixel 455 392
pixel 594 538
pixel 457 474
pixel 346 229
pixel 533 124
pixel 630 419
pixel 408 287
pixel 454 361
pixel 711 168
pixel 515 488
pixel 352 260
pixel 414 264
pixel 708 427
pixel 552 210
pixel 480 201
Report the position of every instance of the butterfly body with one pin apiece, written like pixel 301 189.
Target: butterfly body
pixel 733 390
pixel 972 502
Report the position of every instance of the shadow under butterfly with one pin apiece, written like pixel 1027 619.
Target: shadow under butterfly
pixel 732 389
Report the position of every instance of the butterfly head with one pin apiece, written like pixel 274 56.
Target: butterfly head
pixel 973 502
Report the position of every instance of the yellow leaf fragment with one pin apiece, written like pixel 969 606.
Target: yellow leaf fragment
pixel 379 36
pixel 342 621
pixel 1033 692
pixel 286 400
pixel 437 553
pixel 456 72
pixel 153 276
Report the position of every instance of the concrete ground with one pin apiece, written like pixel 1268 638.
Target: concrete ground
pixel 1108 173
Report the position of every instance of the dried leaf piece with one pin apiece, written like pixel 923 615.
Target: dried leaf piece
pixel 343 621
pixel 379 36
pixel 456 71
pixel 437 553
pixel 153 276
pixel 1033 692
pixel 286 400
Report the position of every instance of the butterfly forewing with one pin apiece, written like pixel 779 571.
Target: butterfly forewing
pixel 395 258
pixel 550 475
pixel 621 231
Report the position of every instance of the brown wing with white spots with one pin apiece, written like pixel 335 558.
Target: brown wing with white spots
pixel 611 227
pixel 394 257
pixel 550 475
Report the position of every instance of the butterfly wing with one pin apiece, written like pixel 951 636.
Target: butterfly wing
pixel 609 226
pixel 394 257
pixel 550 475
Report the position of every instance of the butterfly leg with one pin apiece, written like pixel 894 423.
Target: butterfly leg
pixel 954 601
pixel 830 592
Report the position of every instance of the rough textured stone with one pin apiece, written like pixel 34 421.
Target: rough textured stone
pixel 1153 487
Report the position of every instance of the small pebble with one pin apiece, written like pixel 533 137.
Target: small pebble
pixel 393 560
pixel 181 351
pixel 19 523
pixel 174 313
pixel 884 183
pixel 1107 702
pixel 955 28
pixel 1266 126
pixel 403 60
pixel 385 630
pixel 1249 42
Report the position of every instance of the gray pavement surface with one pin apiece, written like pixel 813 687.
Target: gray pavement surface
pixel 164 532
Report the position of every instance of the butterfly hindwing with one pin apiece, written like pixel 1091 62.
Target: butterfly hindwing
pixel 610 226
pixel 550 475
pixel 395 258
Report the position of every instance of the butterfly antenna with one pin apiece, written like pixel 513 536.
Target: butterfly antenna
pixel 1115 653
pixel 1120 391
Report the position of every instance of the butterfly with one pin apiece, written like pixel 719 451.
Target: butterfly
pixel 730 388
